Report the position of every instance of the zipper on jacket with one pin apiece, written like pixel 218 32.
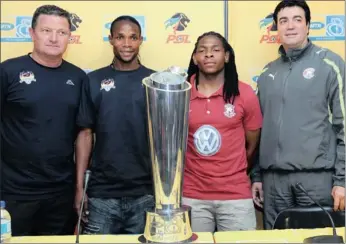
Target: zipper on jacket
pixel 281 110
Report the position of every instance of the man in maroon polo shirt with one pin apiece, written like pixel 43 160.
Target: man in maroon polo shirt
pixel 224 127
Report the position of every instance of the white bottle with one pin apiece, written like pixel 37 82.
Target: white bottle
pixel 6 231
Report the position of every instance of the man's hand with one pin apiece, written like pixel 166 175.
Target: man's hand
pixel 338 193
pixel 257 193
pixel 78 202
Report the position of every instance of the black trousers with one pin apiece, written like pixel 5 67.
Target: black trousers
pixel 55 216
pixel 280 191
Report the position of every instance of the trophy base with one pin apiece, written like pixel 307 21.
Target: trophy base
pixel 194 237
pixel 168 226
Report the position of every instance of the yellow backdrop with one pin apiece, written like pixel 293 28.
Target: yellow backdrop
pixel 161 48
pixel 249 30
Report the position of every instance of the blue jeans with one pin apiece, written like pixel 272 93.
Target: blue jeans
pixel 124 215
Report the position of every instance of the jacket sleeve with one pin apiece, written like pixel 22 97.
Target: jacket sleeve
pixel 255 172
pixel 336 102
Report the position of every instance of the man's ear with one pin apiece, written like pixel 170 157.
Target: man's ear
pixel 32 34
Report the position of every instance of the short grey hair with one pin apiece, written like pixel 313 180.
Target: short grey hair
pixel 50 10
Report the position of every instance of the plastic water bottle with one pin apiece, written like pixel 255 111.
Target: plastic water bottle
pixel 6 231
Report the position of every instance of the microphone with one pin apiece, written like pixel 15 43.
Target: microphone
pixel 322 238
pixel 86 181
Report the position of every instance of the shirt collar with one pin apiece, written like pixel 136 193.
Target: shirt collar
pixel 196 94
pixel 294 53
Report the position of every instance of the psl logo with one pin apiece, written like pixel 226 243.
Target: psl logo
pixel 207 140
pixel 269 26
pixel 178 22
pixel 75 21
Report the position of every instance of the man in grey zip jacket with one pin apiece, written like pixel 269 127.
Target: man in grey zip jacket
pixel 302 100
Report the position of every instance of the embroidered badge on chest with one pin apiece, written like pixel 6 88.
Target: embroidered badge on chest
pixel 309 73
pixel 107 84
pixel 27 77
pixel 229 111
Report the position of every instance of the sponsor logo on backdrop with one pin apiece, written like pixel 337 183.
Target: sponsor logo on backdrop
pixel 16 28
pixel 177 25
pixel 322 28
pixel 110 18
pixel 254 83
pixel 327 28
pixel 269 29
pixel 254 73
pixel 75 22
pixel 255 78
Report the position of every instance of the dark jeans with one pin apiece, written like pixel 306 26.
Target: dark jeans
pixel 280 191
pixel 124 215
pixel 54 216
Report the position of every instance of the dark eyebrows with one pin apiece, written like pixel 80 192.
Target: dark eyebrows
pixel 294 17
pixel 203 46
pixel 122 34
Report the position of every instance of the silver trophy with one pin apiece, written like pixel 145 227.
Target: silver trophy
pixel 167 100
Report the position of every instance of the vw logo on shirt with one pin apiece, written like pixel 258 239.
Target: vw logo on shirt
pixel 207 140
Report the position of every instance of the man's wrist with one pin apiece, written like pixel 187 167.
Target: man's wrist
pixel 339 183
pixel 256 178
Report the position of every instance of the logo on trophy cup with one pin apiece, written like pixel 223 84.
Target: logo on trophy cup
pixel 168 101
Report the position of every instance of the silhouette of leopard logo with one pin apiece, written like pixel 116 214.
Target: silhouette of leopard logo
pixel 75 21
pixel 178 21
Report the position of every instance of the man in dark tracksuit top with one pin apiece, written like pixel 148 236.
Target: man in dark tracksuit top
pixel 113 107
pixel 299 92
pixel 40 95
